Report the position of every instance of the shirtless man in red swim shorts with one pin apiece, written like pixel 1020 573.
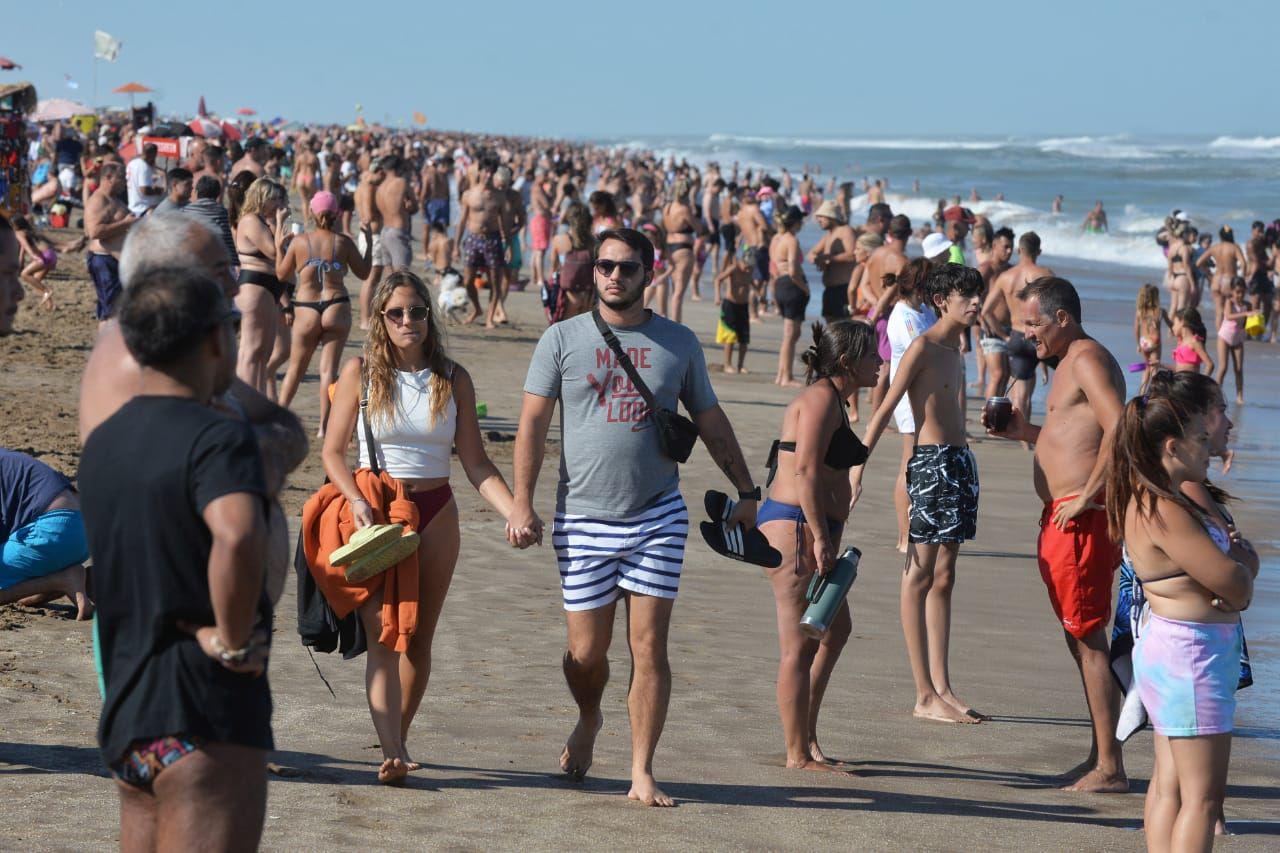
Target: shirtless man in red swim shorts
pixel 1076 555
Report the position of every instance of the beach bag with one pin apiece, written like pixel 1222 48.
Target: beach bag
pixel 676 433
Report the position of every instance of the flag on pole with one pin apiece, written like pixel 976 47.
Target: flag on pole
pixel 71 84
pixel 105 46
pixel 419 118
pixel 359 108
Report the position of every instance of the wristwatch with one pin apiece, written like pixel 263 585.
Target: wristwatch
pixel 753 495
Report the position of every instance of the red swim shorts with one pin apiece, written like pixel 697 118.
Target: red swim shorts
pixel 1078 566
pixel 540 232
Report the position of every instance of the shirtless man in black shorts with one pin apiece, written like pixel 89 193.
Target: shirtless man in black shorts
pixel 1002 321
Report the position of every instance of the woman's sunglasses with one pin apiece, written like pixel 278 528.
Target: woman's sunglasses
pixel 417 314
pixel 627 268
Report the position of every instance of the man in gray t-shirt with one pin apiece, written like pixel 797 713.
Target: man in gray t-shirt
pixel 613 467
pixel 621 524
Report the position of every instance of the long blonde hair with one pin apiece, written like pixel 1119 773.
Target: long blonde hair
pixel 380 355
pixel 259 193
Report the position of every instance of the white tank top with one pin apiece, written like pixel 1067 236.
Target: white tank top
pixel 409 447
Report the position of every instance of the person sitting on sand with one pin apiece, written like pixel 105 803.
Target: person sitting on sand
pixel 1077 558
pixel 420 404
pixel 805 515
pixel 1197 574
pixel 942 484
pixel 42 539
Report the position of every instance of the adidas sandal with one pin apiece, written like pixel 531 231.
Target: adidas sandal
pixel 747 545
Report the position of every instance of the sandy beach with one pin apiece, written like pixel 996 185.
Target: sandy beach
pixel 497 710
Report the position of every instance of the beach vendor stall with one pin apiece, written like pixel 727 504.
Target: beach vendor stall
pixel 16 101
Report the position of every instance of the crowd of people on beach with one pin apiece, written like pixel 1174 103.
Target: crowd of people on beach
pixel 209 284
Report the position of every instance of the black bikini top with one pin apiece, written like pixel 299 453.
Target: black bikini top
pixel 845 450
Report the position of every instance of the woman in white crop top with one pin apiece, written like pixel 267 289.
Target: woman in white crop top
pixel 420 404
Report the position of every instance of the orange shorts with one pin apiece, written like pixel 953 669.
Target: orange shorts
pixel 1078 566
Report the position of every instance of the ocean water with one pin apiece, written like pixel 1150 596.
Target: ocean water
pixel 1216 180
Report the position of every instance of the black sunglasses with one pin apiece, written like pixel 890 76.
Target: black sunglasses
pixel 628 268
pixel 417 314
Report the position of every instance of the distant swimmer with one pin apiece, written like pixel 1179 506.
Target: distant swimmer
pixel 1057 205
pixel 875 195
pixel 1095 221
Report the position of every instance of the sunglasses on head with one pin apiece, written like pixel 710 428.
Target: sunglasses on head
pixel 417 314
pixel 628 268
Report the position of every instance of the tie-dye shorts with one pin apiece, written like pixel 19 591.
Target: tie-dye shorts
pixel 1186 675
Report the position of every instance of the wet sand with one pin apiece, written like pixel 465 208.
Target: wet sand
pixel 497 712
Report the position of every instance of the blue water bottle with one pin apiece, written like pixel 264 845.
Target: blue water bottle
pixel 827 591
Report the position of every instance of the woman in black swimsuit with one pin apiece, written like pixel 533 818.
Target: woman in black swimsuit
pixel 260 239
pixel 680 224
pixel 321 307
pixel 809 500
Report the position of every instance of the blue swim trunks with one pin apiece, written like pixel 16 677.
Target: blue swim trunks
pixel 49 544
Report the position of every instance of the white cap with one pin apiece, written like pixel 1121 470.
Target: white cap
pixel 1182 216
pixel 935 244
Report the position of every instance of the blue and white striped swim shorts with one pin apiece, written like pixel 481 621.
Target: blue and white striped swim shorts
pixel 642 554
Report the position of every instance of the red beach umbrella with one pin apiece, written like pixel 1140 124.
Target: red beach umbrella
pixel 231 132
pixel 246 111
pixel 8 64
pixel 203 126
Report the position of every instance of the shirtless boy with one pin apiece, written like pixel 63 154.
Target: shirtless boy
pixel 396 205
pixel 755 232
pixel 834 255
pixel 887 260
pixel 942 481
pixel 106 221
pixel 735 309
pixel 1076 555
pixel 1003 323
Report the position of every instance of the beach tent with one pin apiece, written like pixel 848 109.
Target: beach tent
pixel 203 126
pixel 59 109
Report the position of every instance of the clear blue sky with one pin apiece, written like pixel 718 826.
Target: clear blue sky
pixel 696 67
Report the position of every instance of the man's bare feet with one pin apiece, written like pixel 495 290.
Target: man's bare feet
pixel 576 758
pixel 935 709
pixel 392 772
pixel 728 369
pixel 743 370
pixel 819 766
pixel 644 789
pixel 1097 782
pixel 963 707
pixel 1073 775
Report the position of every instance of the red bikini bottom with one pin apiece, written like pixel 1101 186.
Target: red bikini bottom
pixel 430 503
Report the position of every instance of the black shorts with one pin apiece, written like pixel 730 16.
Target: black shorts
pixel 1260 285
pixel 347 203
pixel 762 263
pixel 105 272
pixel 792 299
pixel 736 317
pixel 729 237
pixel 835 303
pixel 942 482
pixel 1022 356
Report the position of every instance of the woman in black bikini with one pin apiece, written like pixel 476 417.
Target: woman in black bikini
pixel 321 307
pixel 680 224
pixel 809 500
pixel 260 239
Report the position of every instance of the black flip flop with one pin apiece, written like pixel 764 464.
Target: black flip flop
pixel 736 543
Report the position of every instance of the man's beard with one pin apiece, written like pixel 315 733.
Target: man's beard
pixel 624 302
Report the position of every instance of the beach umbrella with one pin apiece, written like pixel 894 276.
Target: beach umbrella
pixel 132 89
pixel 204 126
pixel 8 64
pixel 59 109
pixel 231 132
pixel 246 111
pixel 202 110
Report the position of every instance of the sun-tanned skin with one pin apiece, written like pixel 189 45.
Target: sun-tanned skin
pixel 930 375
pixel 1071 449
pixel 1000 317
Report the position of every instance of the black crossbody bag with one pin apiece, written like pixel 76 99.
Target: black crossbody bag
pixel 676 433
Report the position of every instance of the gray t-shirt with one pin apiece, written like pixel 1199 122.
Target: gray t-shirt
pixel 611 465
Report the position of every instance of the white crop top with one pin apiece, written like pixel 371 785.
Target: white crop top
pixel 409 447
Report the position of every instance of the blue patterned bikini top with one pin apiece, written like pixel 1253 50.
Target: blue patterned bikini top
pixel 324 266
